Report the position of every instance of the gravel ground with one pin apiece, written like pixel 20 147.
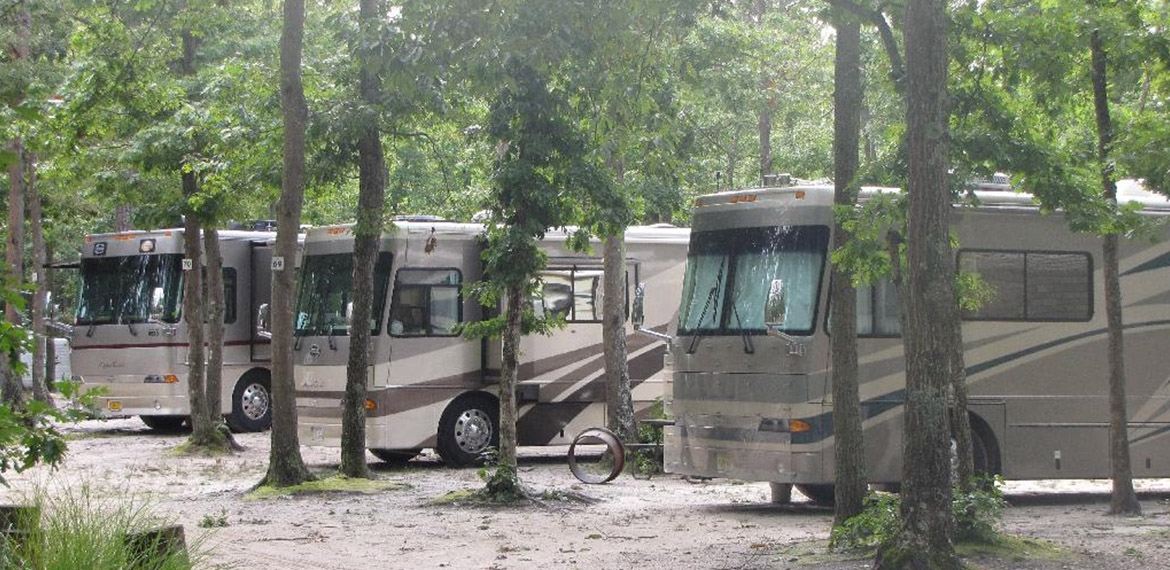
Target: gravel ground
pixel 661 523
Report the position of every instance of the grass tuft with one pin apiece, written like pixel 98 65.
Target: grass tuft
pixel 335 484
pixel 74 528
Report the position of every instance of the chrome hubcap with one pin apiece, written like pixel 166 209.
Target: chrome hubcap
pixel 254 402
pixel 473 431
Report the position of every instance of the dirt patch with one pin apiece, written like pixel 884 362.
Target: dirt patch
pixel 660 523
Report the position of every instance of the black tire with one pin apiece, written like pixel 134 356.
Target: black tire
pixel 395 456
pixel 164 423
pixel 821 494
pixel 251 404
pixel 469 427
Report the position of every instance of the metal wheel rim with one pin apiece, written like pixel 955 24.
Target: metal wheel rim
pixel 473 431
pixel 254 401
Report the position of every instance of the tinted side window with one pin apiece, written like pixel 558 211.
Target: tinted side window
pixel 1032 286
pixel 574 293
pixel 427 302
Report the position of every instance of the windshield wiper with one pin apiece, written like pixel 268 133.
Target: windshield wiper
pixel 748 348
pixel 707 305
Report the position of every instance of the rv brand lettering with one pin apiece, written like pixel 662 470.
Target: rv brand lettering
pixel 111 364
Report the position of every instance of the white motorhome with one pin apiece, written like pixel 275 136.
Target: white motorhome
pixel 431 388
pixel 129 338
pixel 759 407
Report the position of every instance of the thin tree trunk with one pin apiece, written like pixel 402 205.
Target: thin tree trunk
pixel 123 215
pixel 18 51
pixel 849 444
pixel 37 314
pixel 50 349
pixel 215 326
pixel 367 232
pixel 759 9
pixel 195 315
pixel 960 419
pixel 1123 500
pixel 194 307
pixel 285 465
pixel 619 402
pixel 924 538
pixel 508 368
pixel 13 390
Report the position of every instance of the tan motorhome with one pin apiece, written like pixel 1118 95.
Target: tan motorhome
pixel 431 388
pixel 759 407
pixel 129 338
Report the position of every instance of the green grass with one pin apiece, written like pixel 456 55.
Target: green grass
pixel 78 529
pixel 1013 548
pixel 335 484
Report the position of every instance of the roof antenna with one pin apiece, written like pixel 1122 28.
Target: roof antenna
pixel 718 177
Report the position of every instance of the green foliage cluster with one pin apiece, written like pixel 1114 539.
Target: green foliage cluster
pixel 30 435
pixel 647 460
pixel 75 528
pixel 978 513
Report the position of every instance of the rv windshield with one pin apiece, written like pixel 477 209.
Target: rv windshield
pixel 729 273
pixel 326 291
pixel 122 290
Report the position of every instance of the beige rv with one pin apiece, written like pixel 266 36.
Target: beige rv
pixel 431 388
pixel 129 338
pixel 759 407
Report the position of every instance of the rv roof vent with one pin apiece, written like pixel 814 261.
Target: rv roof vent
pixel 662 225
pixel 782 179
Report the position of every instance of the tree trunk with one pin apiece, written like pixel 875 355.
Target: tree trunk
pixel 18 51
pixel 508 368
pixel 215 326
pixel 285 465
pixel 960 419
pixel 759 9
pixel 924 538
pixel 195 315
pixel 849 443
pixel 13 390
pixel 37 313
pixel 618 400
pixel 367 233
pixel 123 215
pixel 1123 500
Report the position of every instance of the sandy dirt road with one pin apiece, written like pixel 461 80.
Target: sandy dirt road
pixel 661 523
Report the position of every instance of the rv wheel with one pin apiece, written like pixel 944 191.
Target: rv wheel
pixel 164 423
pixel 251 404
pixel 469 427
pixel 395 456
pixel 818 494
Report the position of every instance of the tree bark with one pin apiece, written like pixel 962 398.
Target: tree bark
pixel 509 366
pixel 618 400
pixel 849 443
pixel 40 295
pixel 924 538
pixel 759 9
pixel 285 465
pixel 367 233
pixel 1123 500
pixel 195 315
pixel 13 389
pixel 215 326
pixel 123 215
pixel 18 52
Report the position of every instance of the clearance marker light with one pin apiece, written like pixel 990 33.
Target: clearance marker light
pixel 800 194
pixel 799 426
pixel 336 231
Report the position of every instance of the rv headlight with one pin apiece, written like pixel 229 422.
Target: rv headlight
pixel 371 405
pixel 161 379
pixel 78 379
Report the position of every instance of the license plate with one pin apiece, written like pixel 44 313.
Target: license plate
pixel 114 406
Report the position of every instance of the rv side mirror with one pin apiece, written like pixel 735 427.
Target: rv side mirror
pixel 157 305
pixel 638 313
pixel 775 308
pixel 349 315
pixel 263 321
